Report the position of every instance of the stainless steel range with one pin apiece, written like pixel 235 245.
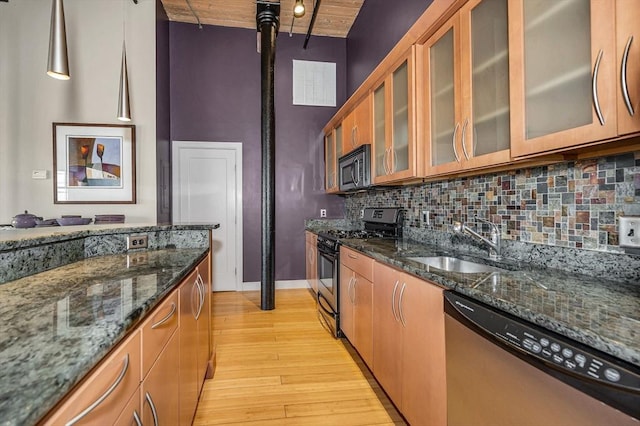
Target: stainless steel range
pixel 385 222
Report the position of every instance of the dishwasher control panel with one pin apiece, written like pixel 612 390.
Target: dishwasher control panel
pixel 544 345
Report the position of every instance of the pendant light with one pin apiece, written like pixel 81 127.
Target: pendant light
pixel 58 63
pixel 298 9
pixel 124 110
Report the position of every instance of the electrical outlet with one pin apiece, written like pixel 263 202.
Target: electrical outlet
pixel 323 212
pixel 361 213
pixel 136 259
pixel 629 231
pixel 137 242
pixel 425 217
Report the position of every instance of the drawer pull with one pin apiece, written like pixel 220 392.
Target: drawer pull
pixel 136 418
pixel 594 88
pixel 147 396
pixel 104 396
pixel 167 318
pixel 351 255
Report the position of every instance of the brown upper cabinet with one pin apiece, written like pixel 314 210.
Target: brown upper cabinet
pixel 332 151
pixel 394 130
pixel 563 80
pixel 628 59
pixel 466 90
pixel 356 126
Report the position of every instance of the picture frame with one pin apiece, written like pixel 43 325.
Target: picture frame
pixel 94 163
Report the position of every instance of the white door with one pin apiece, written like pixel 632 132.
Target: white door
pixel 207 188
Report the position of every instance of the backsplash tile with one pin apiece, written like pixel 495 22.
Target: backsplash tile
pixel 572 204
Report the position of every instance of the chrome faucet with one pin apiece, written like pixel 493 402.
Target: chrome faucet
pixel 493 242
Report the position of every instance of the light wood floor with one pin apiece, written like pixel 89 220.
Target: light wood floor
pixel 281 367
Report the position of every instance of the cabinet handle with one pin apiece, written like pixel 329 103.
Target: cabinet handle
pixel 393 300
pixel 594 88
pixel 400 313
pixel 455 133
pixel 153 408
pixel 136 418
pixel 353 299
pixel 392 155
pixel 384 161
pixel 352 256
pixel 105 395
pixel 390 161
pixel 349 289
pixel 464 142
pixel 200 284
pixel 623 77
pixel 167 318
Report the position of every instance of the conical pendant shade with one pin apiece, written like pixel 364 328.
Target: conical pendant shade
pixel 58 64
pixel 124 110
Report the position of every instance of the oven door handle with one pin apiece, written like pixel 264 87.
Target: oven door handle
pixel 333 314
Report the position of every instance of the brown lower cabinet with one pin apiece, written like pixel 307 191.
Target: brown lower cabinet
pixel 155 375
pixel 408 344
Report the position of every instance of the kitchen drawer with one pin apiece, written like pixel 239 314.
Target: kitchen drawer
pixel 157 329
pixel 357 262
pixel 120 369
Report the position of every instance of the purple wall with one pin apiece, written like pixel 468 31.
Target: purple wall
pixel 378 27
pixel 215 96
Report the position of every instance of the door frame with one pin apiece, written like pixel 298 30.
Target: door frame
pixel 227 146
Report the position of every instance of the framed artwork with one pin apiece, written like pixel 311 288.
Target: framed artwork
pixel 94 163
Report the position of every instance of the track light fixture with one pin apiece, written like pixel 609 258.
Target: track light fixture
pixel 58 63
pixel 298 9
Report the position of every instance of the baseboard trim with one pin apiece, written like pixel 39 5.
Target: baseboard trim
pixel 280 285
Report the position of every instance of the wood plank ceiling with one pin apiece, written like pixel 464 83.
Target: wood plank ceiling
pixel 334 19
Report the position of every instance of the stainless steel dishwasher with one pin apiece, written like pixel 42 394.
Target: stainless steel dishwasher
pixel 502 370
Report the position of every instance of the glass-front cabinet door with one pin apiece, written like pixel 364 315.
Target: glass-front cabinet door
pixel 485 123
pixel 628 60
pixel 564 93
pixel 467 105
pixel 394 124
pixel 333 151
pixel 441 85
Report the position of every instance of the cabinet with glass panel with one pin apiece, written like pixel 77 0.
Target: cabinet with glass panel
pixel 564 78
pixel 394 130
pixel 466 90
pixel 332 151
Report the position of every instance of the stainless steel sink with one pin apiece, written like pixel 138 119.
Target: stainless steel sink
pixel 453 264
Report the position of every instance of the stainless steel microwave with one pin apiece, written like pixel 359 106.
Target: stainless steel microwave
pixel 354 169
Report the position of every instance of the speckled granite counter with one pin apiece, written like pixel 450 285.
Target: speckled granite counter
pixel 596 312
pixel 57 324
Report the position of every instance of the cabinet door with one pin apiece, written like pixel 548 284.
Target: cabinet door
pixel 423 370
pixel 131 415
pixel 160 388
pixel 363 317
pixel 347 277
pixel 628 48
pixel 203 320
pixel 188 333
pixel 311 267
pixel 441 76
pixel 485 122
pixel 330 161
pixel 361 130
pixel 563 81
pixel 387 331
pixel 120 370
pixel 380 148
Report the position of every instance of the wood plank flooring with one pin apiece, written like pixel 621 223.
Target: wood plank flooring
pixel 281 367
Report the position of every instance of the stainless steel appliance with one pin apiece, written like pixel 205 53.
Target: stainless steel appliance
pixel 354 169
pixel 383 222
pixel 502 370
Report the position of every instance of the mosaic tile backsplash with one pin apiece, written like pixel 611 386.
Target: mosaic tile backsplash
pixel 573 204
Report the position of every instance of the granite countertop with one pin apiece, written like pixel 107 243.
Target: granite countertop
pixel 602 314
pixel 57 324
pixel 14 238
